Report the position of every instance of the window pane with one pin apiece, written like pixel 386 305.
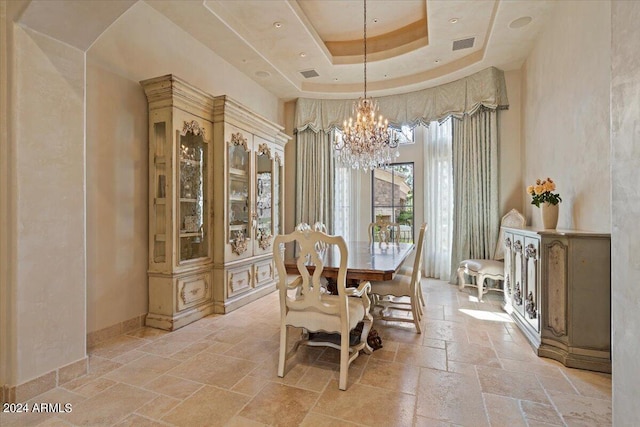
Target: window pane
pixel 392 197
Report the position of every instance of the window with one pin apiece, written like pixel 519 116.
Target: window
pixel 392 197
pixel 404 136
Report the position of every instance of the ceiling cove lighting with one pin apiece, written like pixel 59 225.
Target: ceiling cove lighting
pixel 365 142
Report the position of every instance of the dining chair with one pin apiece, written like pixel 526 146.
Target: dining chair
pixel 483 269
pixel 326 320
pixel 405 284
pixel 383 231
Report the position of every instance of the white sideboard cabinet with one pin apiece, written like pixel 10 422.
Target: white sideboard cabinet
pixel 557 289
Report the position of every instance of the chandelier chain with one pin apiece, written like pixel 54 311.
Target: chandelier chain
pixel 365 48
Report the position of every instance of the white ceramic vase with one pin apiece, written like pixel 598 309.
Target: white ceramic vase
pixel 549 215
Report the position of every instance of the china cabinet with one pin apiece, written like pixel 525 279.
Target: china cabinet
pixel 248 180
pixel 557 288
pixel 216 173
pixel 180 195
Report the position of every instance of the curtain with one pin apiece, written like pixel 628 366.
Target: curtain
pixel 344 205
pixel 475 187
pixel 314 178
pixel 438 199
pixel 465 96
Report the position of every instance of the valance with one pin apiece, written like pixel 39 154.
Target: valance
pixel 466 96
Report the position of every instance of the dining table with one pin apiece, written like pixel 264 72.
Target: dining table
pixel 375 261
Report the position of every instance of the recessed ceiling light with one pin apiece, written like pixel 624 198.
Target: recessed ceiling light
pixel 520 22
pixel 302 54
pixel 335 79
pixel 436 61
pixel 375 20
pixel 262 74
pixel 386 75
pixel 277 24
pixel 453 20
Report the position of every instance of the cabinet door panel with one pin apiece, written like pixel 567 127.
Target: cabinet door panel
pixel 264 188
pixel 508 268
pixel 239 280
pixel 531 288
pixel 239 229
pixel 193 290
pixel 517 298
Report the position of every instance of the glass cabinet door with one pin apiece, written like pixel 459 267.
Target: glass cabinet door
pixel 238 209
pixel 264 197
pixel 193 206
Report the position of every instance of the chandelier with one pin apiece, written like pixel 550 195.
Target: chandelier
pixel 365 143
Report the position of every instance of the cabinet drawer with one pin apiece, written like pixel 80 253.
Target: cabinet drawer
pixel 263 272
pixel 193 290
pixel 238 280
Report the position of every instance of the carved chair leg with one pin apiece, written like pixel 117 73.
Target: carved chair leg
pixel 461 283
pixel 283 350
pixel 480 282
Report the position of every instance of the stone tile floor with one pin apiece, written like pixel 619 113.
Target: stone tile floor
pixel 471 366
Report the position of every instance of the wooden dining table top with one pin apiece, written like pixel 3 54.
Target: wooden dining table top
pixel 376 261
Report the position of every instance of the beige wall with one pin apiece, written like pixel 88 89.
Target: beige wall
pixel 511 188
pixel 565 117
pixel 625 235
pixel 117 199
pixel 49 197
pixel 141 44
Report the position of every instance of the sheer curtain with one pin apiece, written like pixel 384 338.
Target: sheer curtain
pixel 438 199
pixel 475 166
pixel 314 178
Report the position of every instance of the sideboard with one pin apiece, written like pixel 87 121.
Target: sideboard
pixel 557 289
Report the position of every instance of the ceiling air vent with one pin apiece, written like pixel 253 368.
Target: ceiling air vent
pixel 309 73
pixel 464 43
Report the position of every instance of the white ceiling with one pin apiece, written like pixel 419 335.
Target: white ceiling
pixel 409 42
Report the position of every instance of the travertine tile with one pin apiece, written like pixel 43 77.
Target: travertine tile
pixel 511 384
pixel 108 407
pixel 253 350
pixel 250 385
pixel 445 330
pixel 426 357
pixel 280 404
pixel 90 388
pixel 135 420
pixel 592 384
pixel 451 397
pixel 503 411
pixel 540 412
pixel 430 422
pixel 158 407
pixel 143 370
pixel 316 377
pixel 319 420
pixel 472 353
pixel 239 352
pixel 582 410
pixel 391 375
pixel 378 407
pixel 209 406
pixel 213 369
pixel 177 388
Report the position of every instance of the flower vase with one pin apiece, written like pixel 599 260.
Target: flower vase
pixel 549 215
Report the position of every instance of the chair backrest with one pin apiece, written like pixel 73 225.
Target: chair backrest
pixel 513 219
pixel 308 286
pixel 384 232
pixel 416 274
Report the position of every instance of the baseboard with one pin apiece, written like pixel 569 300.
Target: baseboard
pixel 43 383
pixel 113 331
